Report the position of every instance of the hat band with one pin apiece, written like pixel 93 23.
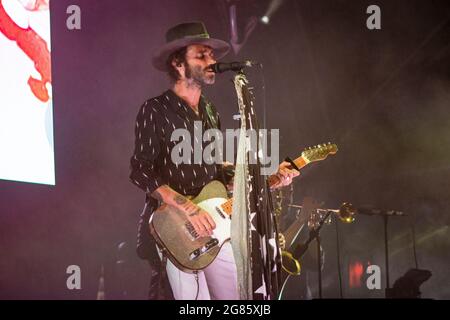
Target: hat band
pixel 201 35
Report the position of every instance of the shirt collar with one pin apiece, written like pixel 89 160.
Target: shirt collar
pixel 181 107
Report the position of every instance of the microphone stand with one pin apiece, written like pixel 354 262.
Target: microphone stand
pixel 314 234
pixel 319 265
pixel 385 214
pixel 254 194
pixel 386 254
pixel 406 286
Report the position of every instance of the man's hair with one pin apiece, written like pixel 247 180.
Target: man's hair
pixel 179 57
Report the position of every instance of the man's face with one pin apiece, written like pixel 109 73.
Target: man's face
pixel 198 58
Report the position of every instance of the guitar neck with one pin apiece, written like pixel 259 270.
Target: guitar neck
pixel 291 233
pixel 300 162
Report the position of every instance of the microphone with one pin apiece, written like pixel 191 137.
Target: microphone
pixel 370 211
pixel 220 67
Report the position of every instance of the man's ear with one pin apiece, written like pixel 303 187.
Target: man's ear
pixel 176 64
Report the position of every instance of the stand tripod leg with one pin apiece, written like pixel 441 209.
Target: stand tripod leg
pixel 319 264
pixel 386 253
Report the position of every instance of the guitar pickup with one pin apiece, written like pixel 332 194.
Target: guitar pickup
pixel 220 213
pixel 194 254
pixel 208 246
pixel 211 243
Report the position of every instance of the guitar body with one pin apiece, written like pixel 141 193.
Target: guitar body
pixel 172 230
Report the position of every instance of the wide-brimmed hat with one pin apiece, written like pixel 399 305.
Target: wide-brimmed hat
pixel 183 35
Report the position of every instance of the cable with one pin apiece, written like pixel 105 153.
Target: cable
pixel 338 250
pixel 198 284
pixel 263 89
pixel 413 230
pixel 319 265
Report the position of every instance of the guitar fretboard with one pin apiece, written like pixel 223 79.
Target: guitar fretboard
pixel 227 207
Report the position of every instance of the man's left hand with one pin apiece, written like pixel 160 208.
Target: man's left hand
pixel 286 173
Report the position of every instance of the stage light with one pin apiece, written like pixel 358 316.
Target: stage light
pixel 273 7
pixel 265 20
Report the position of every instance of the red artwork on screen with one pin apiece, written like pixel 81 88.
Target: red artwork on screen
pixel 34 47
pixel 355 273
pixel 35 5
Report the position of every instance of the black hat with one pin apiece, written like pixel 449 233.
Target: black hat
pixel 183 35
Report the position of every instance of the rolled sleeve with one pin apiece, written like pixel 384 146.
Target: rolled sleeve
pixel 148 136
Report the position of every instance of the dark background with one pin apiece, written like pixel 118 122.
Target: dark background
pixel 383 96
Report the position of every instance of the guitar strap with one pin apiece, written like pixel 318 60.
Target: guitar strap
pixel 212 120
pixel 287 159
pixel 212 117
pixel 162 277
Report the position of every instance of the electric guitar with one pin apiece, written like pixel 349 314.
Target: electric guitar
pixel 177 237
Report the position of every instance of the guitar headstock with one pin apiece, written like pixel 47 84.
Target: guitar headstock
pixel 319 152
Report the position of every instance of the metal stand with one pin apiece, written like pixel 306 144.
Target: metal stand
pixel 386 253
pixel 338 255
pixel 388 292
pixel 302 248
pixel 319 265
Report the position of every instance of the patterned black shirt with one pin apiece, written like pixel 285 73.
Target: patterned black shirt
pixel 151 164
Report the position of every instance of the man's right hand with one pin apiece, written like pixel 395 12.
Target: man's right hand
pixel 199 218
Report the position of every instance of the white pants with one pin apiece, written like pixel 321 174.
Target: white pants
pixel 218 281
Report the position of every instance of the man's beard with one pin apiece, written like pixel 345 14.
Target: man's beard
pixel 198 76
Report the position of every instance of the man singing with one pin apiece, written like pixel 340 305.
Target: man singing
pixel 186 57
